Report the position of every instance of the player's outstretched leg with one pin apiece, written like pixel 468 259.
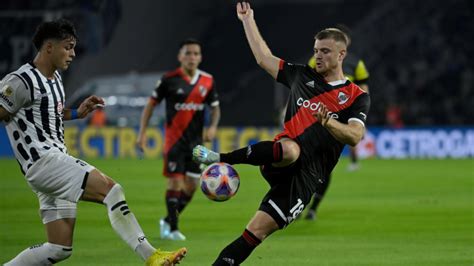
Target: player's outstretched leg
pixel 166 258
pixel 101 188
pixel 261 153
pixel 203 155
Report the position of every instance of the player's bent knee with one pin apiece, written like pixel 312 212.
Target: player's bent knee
pixel 58 253
pixel 291 151
pixel 115 195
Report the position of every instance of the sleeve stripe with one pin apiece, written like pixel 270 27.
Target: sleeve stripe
pixel 30 85
pixel 22 80
pixel 355 119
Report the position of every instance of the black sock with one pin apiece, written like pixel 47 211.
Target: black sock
pixel 183 201
pixel 316 200
pixel 172 203
pixel 353 153
pixel 261 153
pixel 236 252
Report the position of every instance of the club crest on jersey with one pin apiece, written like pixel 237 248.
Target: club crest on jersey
pixel 202 91
pixel 5 93
pixel 60 108
pixel 7 90
pixel 172 166
pixel 342 97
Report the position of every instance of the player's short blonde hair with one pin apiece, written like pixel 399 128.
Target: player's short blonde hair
pixel 335 34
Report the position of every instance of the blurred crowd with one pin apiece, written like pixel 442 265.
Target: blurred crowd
pixel 418 55
pixel 417 52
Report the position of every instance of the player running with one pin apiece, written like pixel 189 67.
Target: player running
pixel 187 91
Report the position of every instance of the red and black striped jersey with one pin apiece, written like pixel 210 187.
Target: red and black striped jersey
pixel 320 151
pixel 185 103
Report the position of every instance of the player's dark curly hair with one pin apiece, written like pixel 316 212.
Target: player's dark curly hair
pixel 58 29
pixel 189 41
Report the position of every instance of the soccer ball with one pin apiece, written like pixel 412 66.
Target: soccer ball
pixel 220 181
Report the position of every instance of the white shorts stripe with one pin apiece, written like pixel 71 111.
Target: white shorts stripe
pixel 278 210
pixel 193 175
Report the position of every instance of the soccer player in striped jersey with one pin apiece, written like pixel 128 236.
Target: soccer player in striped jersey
pixel 187 91
pixel 32 101
pixel 325 112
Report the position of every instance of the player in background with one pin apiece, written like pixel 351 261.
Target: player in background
pixel 32 101
pixel 355 70
pixel 325 112
pixel 187 91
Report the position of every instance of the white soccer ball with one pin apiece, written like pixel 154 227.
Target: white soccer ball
pixel 220 181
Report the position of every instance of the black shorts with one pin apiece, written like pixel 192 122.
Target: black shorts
pixel 179 163
pixel 288 195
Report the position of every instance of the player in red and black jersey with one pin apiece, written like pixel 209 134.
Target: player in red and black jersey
pixel 325 112
pixel 187 91
pixel 355 70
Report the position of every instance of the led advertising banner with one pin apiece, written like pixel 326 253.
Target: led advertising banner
pixel 117 142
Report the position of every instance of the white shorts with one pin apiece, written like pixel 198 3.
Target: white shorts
pixel 59 181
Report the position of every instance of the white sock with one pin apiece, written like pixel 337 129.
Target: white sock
pixel 125 224
pixel 42 254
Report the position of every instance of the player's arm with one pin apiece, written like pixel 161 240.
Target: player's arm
pixel 146 115
pixel 211 131
pixel 86 107
pixel 4 115
pixel 15 94
pixel 260 50
pixel 350 133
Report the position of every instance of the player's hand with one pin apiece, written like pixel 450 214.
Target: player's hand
pixel 323 115
pixel 210 134
pixel 89 105
pixel 244 11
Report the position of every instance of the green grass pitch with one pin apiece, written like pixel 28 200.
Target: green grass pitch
pixel 390 212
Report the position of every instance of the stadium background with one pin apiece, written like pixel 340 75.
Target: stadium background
pixel 422 91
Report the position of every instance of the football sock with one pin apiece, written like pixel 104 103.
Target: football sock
pixel 261 153
pixel 183 201
pixel 316 200
pixel 172 204
pixel 236 252
pixel 125 224
pixel 353 156
pixel 43 254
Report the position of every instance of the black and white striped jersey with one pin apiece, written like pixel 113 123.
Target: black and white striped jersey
pixel 36 104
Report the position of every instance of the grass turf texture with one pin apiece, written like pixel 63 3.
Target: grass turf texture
pixel 390 212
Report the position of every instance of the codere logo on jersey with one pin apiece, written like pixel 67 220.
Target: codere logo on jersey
pixel 313 106
pixel 189 106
